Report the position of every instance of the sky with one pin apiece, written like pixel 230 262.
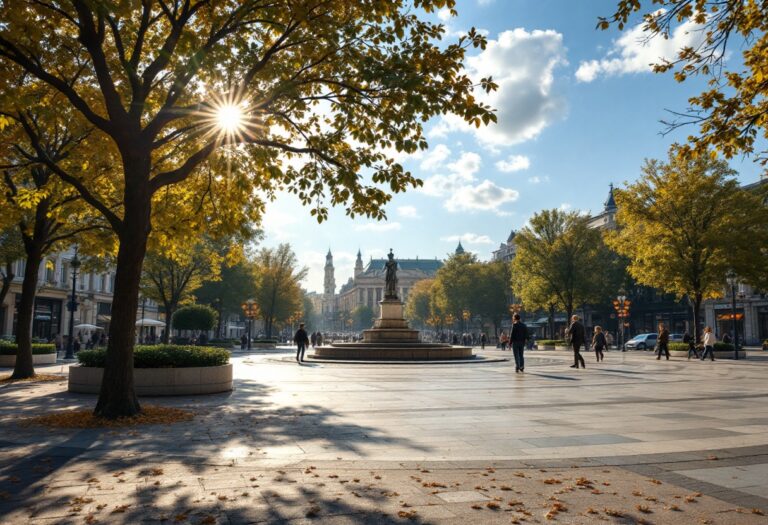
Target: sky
pixel 578 109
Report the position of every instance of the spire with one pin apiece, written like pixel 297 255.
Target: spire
pixel 610 203
pixel 459 249
pixel 359 263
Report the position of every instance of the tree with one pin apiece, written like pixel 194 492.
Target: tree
pixel 47 213
pixel 560 260
pixel 418 307
pixel 195 317
pixel 454 285
pixel 491 289
pixel 362 317
pixel 171 278
pixel 236 284
pixel 166 85
pixel 731 112
pixel 278 292
pixel 686 223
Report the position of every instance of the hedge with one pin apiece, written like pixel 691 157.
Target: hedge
pixel 37 348
pixel 683 347
pixel 552 342
pixel 161 356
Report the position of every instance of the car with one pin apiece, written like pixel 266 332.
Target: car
pixel 642 342
pixel 675 338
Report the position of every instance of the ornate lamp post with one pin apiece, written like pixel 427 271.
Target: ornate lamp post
pixel 733 280
pixel 621 304
pixel 466 315
pixel 250 311
pixel 72 307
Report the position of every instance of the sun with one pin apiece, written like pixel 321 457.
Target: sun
pixel 229 118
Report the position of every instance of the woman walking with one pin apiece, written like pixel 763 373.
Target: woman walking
pixel 709 344
pixel 599 343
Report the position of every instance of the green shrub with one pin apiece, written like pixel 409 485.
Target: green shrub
pixel 195 317
pixel 7 348
pixel 552 342
pixel 220 344
pixel 678 347
pixel 265 341
pixel 723 347
pixel 161 356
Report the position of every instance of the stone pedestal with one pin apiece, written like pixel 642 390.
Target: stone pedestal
pixel 390 327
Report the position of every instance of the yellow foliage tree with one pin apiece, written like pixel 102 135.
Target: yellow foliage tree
pixel 685 223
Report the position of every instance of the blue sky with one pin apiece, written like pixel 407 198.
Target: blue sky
pixel 578 109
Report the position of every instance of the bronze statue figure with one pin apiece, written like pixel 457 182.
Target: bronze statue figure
pixel 390 291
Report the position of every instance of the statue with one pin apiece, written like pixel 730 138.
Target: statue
pixel 390 290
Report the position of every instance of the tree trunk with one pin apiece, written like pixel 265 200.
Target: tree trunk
pixel 696 305
pixel 552 321
pixel 170 309
pixel 117 397
pixel 7 280
pixel 24 367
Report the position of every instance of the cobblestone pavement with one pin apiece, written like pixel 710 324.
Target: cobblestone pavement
pixel 629 440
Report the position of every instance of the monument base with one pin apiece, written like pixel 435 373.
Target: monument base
pixel 391 339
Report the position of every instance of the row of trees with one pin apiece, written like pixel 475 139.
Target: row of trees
pixel 680 228
pixel 463 287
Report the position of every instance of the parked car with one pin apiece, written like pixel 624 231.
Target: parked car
pixel 642 342
pixel 675 338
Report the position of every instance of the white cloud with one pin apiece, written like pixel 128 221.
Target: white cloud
pixel 462 191
pixel 277 224
pixel 633 52
pixel 434 157
pixel 444 14
pixel 485 196
pixel 522 63
pixel 565 206
pixel 467 165
pixel 513 163
pixel 408 212
pixel 377 226
pixel 468 238
pixel 538 180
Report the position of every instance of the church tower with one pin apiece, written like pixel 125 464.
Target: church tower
pixel 329 285
pixel 358 264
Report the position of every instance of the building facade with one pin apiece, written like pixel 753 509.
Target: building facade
pixel 51 317
pixel 366 286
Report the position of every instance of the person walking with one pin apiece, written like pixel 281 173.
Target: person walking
pixel 313 339
pixel 302 340
pixel 662 342
pixel 599 343
pixel 503 340
pixel 575 336
pixel 483 340
pixel 608 339
pixel 517 337
pixel 709 344
pixel 243 342
pixel 691 345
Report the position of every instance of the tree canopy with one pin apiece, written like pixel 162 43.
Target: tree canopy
pixel 560 261
pixel 731 112
pixel 686 223
pixel 195 317
pixel 278 291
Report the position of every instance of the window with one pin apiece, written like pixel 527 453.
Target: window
pixel 104 282
pixel 20 266
pixel 64 273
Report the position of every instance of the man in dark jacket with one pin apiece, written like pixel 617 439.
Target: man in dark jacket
pixel 302 340
pixel 576 337
pixel 662 343
pixel 517 339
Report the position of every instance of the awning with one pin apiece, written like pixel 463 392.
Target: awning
pixel 86 326
pixel 149 322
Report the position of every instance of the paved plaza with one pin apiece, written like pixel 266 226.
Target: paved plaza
pixel 629 440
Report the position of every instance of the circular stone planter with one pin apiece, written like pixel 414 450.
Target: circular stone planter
pixel 263 345
pixel 37 359
pixel 728 354
pixel 545 347
pixel 563 348
pixel 158 381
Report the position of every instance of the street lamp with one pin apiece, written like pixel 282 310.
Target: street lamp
pixel 72 307
pixel 621 304
pixel 466 314
pixel 250 310
pixel 733 280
